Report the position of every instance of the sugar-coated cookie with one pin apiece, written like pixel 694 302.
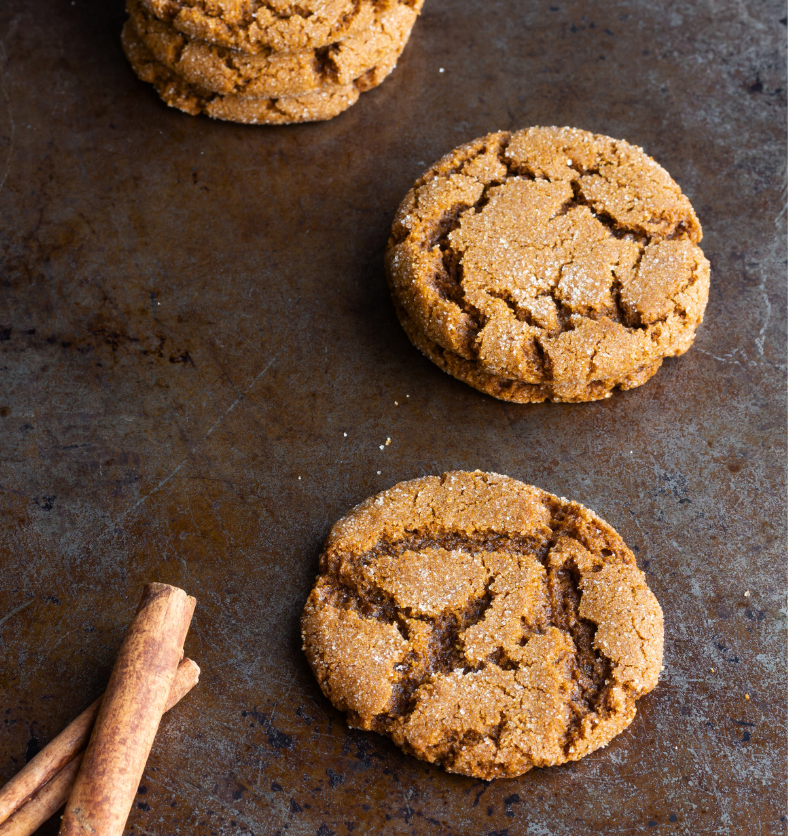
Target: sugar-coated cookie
pixel 548 263
pixel 482 624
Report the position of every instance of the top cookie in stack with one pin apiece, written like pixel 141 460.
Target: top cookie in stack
pixel 266 61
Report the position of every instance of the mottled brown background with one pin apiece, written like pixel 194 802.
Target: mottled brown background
pixel 192 315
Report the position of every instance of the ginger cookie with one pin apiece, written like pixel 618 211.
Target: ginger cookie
pixel 283 25
pixel 368 57
pixel 284 110
pixel 548 263
pixel 482 624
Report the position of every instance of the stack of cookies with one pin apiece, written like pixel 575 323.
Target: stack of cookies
pixel 266 61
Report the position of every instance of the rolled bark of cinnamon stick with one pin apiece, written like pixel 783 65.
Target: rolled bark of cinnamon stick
pixel 44 803
pixel 49 797
pixel 129 714
pixel 48 762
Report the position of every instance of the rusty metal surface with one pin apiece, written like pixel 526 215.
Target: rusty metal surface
pixel 199 363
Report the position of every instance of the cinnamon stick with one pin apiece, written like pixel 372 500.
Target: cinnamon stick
pixel 49 797
pixel 129 714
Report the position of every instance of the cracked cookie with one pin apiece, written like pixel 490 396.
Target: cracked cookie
pixel 550 263
pixel 365 59
pixel 482 624
pixel 189 98
pixel 283 25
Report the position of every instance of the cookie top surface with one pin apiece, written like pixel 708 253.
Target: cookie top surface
pixel 282 110
pixel 251 25
pixel 270 73
pixel 552 257
pixel 482 624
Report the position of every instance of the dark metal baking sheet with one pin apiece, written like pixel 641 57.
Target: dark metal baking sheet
pixel 200 363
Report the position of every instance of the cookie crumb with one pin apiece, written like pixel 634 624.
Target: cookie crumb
pixel 747 594
pixel 388 441
pixel 746 696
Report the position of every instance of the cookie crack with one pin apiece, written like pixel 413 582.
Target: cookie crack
pixel 325 64
pixel 617 228
pixel 470 542
pixel 592 670
pixel 179 48
pixel 521 314
pixel 274 104
pixel 592 368
pixel 295 11
pixel 506 141
pixel 370 602
pixel 348 16
pixel 473 738
pixel 442 656
pixel 617 288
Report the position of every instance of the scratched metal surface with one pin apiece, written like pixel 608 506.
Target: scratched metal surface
pixel 194 314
